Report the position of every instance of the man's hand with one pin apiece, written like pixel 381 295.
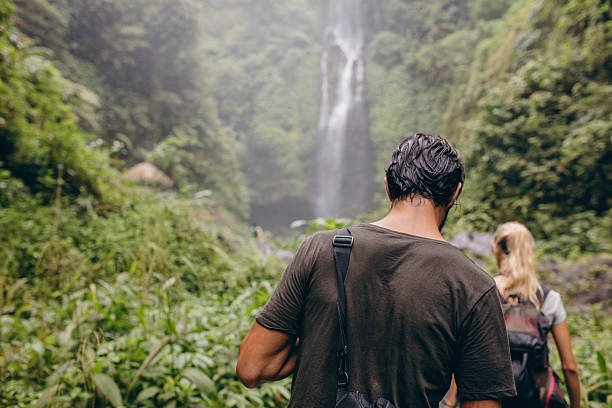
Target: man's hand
pixel 265 355
pixel 481 404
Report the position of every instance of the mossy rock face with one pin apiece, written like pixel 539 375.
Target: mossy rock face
pixel 587 281
pixel 478 243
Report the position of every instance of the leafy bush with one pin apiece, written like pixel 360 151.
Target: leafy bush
pixel 540 150
pixel 40 142
pixel 142 307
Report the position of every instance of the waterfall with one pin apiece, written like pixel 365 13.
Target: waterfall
pixel 344 162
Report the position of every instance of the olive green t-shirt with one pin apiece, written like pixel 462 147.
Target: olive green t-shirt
pixel 418 310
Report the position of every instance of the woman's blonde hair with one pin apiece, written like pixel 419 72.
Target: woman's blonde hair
pixel 517 262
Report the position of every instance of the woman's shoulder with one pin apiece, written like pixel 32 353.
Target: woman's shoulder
pixel 551 295
pixel 553 307
pixel 500 280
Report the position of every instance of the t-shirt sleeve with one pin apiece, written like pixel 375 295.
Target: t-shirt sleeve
pixel 284 310
pixel 553 307
pixel 483 369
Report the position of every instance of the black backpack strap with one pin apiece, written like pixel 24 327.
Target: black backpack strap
pixel 342 242
pixel 546 290
pixel 542 295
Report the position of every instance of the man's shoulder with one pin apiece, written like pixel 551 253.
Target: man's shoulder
pixel 320 238
pixel 457 257
pixel 314 244
pixel 439 256
pixel 457 270
pixel 444 253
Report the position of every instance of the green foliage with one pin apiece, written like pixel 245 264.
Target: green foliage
pixel 266 79
pixel 158 65
pixel 522 89
pixel 146 52
pixel 543 151
pixel 42 19
pixel 487 10
pixel 40 143
pixel 114 295
pixel 591 342
pixel 145 61
pixel 323 224
pixel 209 163
pixel 141 307
pixel 107 388
pixel 418 55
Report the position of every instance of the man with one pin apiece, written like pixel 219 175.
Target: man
pixel 418 309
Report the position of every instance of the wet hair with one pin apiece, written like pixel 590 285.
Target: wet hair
pixel 517 262
pixel 427 166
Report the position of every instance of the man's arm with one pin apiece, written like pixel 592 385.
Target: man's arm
pixel 265 355
pixel 269 355
pixel 450 399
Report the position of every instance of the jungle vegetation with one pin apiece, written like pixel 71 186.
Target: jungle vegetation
pixel 118 294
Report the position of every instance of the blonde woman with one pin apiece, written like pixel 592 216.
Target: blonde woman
pixel 513 247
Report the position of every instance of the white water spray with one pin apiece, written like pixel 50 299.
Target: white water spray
pixel 342 107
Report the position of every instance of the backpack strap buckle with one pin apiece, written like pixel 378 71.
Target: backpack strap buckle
pixel 343 241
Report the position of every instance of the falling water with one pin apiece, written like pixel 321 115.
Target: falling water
pixel 344 154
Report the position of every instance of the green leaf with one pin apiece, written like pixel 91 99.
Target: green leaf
pixel 201 380
pixel 168 283
pixel 284 392
pixel 601 362
pixel 107 387
pixel 47 395
pixel 57 375
pixel 147 393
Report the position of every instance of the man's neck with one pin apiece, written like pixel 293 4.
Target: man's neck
pixel 417 217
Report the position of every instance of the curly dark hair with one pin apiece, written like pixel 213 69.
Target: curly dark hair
pixel 427 166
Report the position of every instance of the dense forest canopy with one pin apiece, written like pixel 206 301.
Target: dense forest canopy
pixel 264 75
pixel 115 294
pixel 224 96
pixel 523 88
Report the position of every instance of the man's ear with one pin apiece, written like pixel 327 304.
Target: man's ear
pixel 456 194
pixel 387 189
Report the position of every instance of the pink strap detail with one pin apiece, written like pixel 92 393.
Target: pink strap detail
pixel 551 387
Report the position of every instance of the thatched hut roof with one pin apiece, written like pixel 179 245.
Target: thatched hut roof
pixel 148 173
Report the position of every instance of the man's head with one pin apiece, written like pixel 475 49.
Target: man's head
pixel 427 166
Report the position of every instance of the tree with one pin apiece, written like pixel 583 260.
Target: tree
pixel 40 142
pixel 542 149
